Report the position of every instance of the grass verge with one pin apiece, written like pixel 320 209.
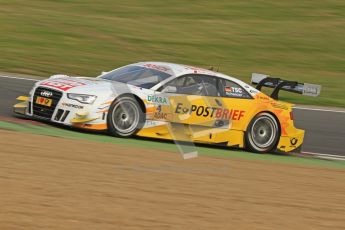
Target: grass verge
pixel 296 40
pixel 167 146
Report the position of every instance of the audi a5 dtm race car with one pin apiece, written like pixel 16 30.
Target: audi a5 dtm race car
pixel 174 102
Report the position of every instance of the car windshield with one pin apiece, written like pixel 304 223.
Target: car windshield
pixel 137 75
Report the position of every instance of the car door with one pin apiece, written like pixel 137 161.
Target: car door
pixel 191 98
pixel 195 104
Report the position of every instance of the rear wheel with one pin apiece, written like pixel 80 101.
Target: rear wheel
pixel 125 117
pixel 263 133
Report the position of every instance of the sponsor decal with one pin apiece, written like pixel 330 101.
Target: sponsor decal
pixel 150 123
pixel 46 93
pixel 196 69
pixel 44 101
pixel 157 67
pixel 293 141
pixel 311 89
pixel 206 111
pixel 233 91
pixel 62 84
pixel 72 105
pixel 279 106
pixel 159 115
pixel 160 100
pixel 262 97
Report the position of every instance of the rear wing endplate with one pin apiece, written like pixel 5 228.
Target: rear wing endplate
pixel 262 80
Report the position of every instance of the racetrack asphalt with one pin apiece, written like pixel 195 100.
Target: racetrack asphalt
pixel 325 129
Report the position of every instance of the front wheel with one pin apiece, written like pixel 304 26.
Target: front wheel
pixel 125 117
pixel 263 133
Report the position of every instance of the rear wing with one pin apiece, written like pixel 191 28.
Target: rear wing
pixel 262 80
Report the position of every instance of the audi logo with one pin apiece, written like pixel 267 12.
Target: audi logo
pixel 46 94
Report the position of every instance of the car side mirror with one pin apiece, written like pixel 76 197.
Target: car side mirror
pixel 169 89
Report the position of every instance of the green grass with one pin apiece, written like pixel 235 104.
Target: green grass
pixel 167 146
pixel 297 40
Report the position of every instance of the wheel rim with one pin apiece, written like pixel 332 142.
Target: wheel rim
pixel 263 132
pixel 125 117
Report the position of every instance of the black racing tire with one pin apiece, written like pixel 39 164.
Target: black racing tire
pixel 125 117
pixel 262 134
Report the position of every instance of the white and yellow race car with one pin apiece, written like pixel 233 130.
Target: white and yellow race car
pixel 174 102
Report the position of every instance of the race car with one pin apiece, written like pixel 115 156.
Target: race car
pixel 173 102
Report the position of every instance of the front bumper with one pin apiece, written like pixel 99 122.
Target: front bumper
pixel 64 111
pixel 291 143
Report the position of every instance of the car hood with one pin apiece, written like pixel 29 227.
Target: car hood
pixel 77 84
pixel 92 86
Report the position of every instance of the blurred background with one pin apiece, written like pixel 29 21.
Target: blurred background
pixel 296 40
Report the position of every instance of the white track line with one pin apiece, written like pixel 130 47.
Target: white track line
pixel 322 154
pixel 331 158
pixel 19 78
pixel 325 156
pixel 321 110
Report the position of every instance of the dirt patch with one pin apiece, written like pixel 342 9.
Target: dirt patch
pixel 55 183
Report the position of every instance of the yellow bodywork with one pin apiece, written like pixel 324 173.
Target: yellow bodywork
pixel 21 107
pixel 220 120
pixel 82 119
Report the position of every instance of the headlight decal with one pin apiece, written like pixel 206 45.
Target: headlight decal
pixel 82 98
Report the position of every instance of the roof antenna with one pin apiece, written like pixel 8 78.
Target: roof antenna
pixel 218 67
